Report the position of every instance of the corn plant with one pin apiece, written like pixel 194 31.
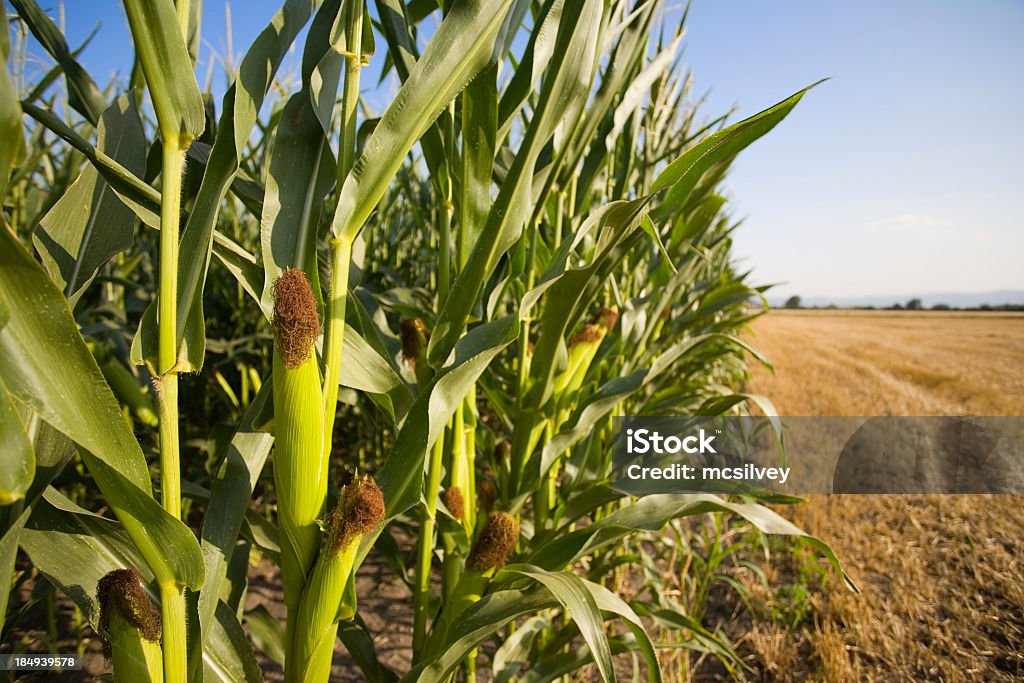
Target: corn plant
pixel 463 289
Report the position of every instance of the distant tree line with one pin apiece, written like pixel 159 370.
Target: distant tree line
pixel 914 304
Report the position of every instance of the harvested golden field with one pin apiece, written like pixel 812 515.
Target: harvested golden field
pixel 890 363
pixel 942 597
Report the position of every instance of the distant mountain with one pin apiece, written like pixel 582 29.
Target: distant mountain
pixel 954 299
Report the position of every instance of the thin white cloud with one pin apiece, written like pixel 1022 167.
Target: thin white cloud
pixel 913 223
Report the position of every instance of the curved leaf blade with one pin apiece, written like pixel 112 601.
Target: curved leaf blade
pixel 74 398
pixel 401 477
pixel 462 46
pixel 11 141
pixel 691 165
pixel 652 513
pixel 83 95
pixel 74 243
pixel 446 650
pixel 580 606
pixel 168 68
pixel 17 458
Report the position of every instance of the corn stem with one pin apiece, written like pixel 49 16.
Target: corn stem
pixel 172 616
pixel 470 449
pixel 544 501
pixel 425 549
pixel 341 257
pixel 167 351
pixel 341 246
pixel 172 598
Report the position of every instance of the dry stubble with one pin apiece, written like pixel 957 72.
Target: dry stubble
pixel 942 597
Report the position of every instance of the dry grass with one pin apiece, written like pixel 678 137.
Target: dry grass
pixel 941 575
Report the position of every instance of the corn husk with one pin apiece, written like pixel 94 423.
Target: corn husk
pixel 130 626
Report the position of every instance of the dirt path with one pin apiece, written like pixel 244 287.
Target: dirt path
pixel 941 575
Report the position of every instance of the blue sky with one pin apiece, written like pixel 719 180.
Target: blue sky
pixel 901 175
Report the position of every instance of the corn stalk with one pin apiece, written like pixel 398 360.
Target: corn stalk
pixel 466 288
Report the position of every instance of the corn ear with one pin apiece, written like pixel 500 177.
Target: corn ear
pixel 489 554
pixel 360 509
pixel 130 626
pixel 300 464
pixel 583 348
pixel 415 337
pixel 455 501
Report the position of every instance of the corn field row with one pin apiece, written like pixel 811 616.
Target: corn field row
pixel 283 326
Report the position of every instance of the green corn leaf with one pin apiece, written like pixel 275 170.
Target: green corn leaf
pixel 145 201
pixel 75 399
pixel 639 88
pixel 52 451
pixel 10 534
pixel 11 140
pixel 240 108
pixel 611 394
pixel 460 49
pixel 479 128
pixel 83 95
pixel 193 27
pixel 267 632
pixel 526 75
pixel 302 169
pixel 703 639
pixel 565 85
pixel 74 548
pixel 698 221
pixel 403 53
pixel 40 88
pixel 359 643
pixel 555 667
pixel 725 295
pixel 401 477
pixel 563 290
pixel 685 171
pixel 648 227
pixel 232 489
pixel 609 602
pixel 227 654
pixel 651 513
pixel 447 649
pixel 301 173
pixel 513 654
pixel 623 64
pixel 17 459
pixel 133 191
pixel 168 68
pixel 367 370
pixel 581 607
pixel 74 243
pixel 583 503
